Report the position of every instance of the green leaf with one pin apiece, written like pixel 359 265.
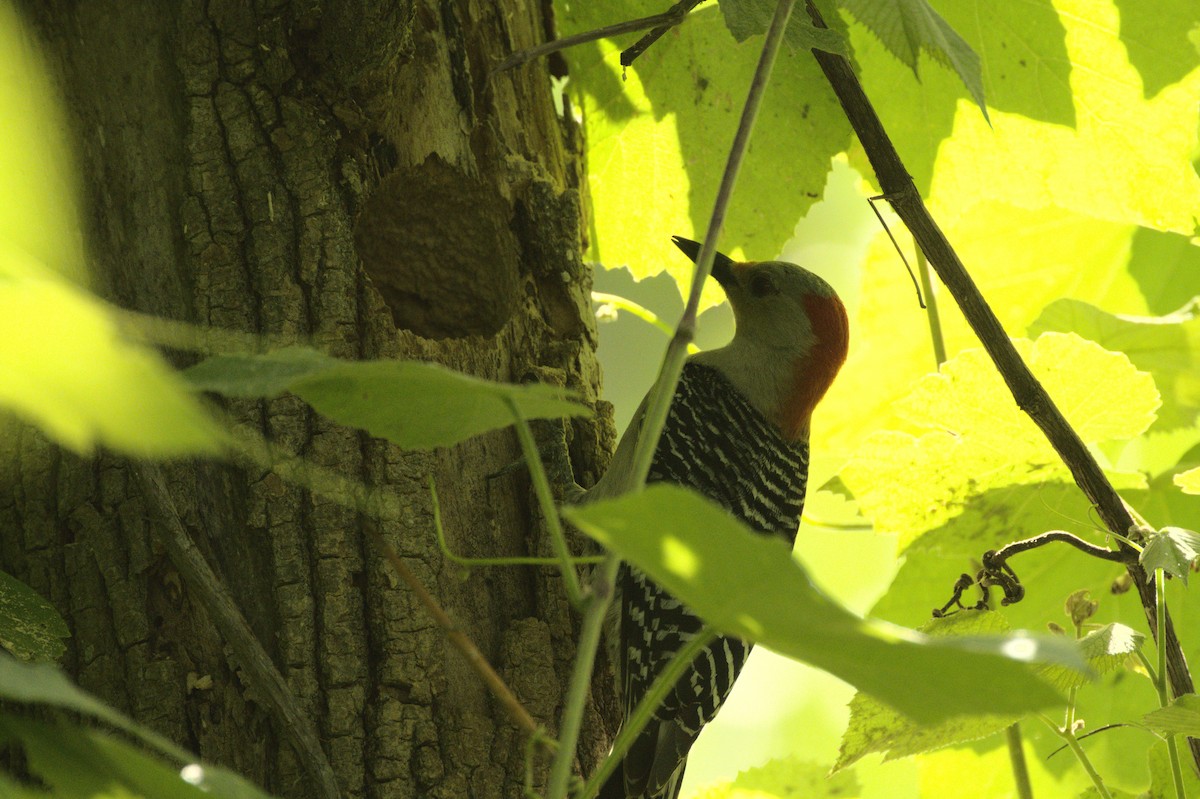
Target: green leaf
pixel 749 585
pixel 45 684
pixel 788 778
pixel 908 27
pixel 1180 717
pixel 1189 481
pixel 875 727
pixel 39 208
pixel 30 627
pixel 1171 549
pixel 83 763
pixel 1156 36
pixel 1168 347
pixel 264 375
pixel 74 764
pixel 665 125
pixel 975 438
pixel 1166 267
pixel 746 18
pixel 1145 142
pixel 1109 648
pixel 68 371
pixel 415 405
pixel 1162 780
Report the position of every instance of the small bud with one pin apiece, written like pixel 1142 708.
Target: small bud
pixel 1080 607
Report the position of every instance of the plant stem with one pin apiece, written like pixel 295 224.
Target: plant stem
pixel 931 309
pixel 1016 757
pixel 664 387
pixel 1160 592
pixel 1068 735
pixel 637 721
pixel 640 311
pixel 545 497
pixel 672 16
pixel 659 402
pixel 581 678
pixel 515 560
pixel 1086 762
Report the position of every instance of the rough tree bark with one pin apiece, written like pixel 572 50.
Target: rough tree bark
pixel 346 173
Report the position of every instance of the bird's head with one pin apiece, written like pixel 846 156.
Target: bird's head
pixel 792 336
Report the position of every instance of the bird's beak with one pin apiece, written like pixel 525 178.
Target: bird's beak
pixel 722 269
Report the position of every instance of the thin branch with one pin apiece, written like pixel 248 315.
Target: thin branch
pixel 670 17
pixel 899 251
pixel 1016 757
pixel 680 10
pixel 515 560
pixel 581 678
pixel 545 498
pixel 996 558
pixel 1029 394
pixel 264 679
pixel 460 639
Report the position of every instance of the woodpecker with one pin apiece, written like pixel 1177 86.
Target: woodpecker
pixel 737 432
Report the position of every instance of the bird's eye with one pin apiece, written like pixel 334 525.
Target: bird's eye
pixel 762 286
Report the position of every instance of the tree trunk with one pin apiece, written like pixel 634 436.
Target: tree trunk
pixel 345 173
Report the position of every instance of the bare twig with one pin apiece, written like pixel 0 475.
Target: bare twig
pixel 670 17
pixel 460 639
pixel 679 11
pixel 1029 394
pixel 256 665
pixel 900 252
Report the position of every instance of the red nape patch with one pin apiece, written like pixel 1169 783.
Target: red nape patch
pixel 813 374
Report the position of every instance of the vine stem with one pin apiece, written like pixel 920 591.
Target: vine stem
pixel 1029 394
pixel 1068 735
pixel 545 498
pixel 931 309
pixel 659 402
pixel 1160 591
pixel 1016 757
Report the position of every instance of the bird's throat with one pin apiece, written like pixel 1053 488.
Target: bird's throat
pixel 813 373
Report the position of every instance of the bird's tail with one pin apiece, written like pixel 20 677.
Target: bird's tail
pixel 614 786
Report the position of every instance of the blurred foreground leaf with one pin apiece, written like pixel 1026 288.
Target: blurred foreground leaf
pixel 415 405
pixel 72 759
pixel 68 371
